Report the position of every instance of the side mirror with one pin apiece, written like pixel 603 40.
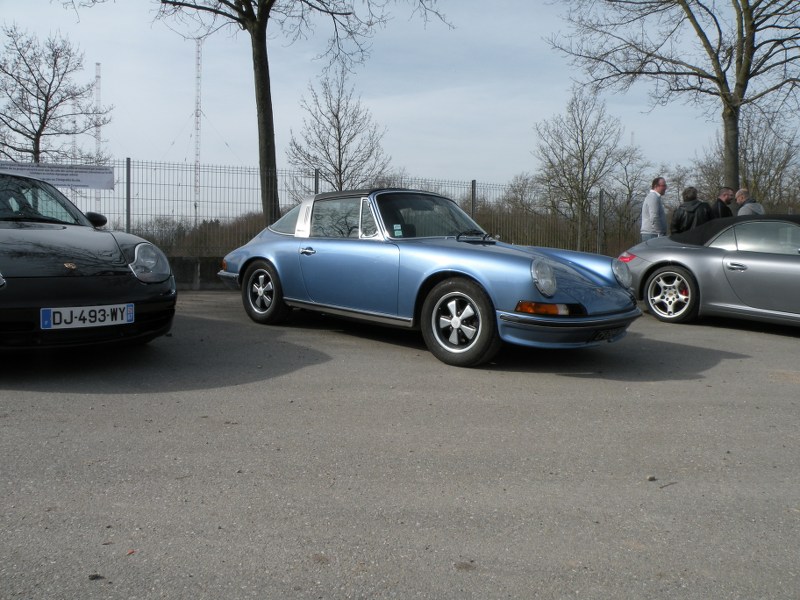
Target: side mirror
pixel 96 219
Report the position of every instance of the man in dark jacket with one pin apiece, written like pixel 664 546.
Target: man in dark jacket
pixel 722 207
pixel 691 213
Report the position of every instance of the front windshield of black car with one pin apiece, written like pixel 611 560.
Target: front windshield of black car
pixel 23 199
pixel 409 215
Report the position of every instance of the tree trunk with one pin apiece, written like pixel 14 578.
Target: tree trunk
pixel 267 160
pixel 730 146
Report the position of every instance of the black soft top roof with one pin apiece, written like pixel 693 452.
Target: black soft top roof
pixel 701 235
pixel 368 191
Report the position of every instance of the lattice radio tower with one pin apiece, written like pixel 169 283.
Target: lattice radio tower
pixel 197 119
pixel 98 137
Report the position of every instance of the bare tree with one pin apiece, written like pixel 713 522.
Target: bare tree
pixel 522 195
pixel 577 151
pixel 769 161
pixel 43 109
pixel 719 54
pixel 352 24
pixel 623 206
pixel 339 138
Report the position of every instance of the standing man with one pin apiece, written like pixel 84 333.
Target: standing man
pixel 691 213
pixel 747 205
pixel 722 207
pixel 654 219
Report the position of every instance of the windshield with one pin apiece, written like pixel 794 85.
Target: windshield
pixel 411 214
pixel 23 199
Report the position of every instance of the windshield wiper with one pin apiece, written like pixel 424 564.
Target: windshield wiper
pixel 474 234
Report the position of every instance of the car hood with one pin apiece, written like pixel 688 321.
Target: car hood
pixel 582 277
pixel 580 265
pixel 53 250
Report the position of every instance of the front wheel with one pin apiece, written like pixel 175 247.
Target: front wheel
pixel 458 323
pixel 672 295
pixel 262 294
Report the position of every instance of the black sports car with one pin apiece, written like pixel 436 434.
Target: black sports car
pixel 65 282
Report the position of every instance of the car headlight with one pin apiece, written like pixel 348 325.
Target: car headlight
pixel 150 264
pixel 622 273
pixel 544 277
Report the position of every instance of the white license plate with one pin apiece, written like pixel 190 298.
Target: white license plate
pixel 86 316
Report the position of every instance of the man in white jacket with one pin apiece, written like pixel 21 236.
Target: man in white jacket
pixel 654 219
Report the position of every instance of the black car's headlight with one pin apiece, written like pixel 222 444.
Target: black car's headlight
pixel 544 277
pixel 622 273
pixel 150 264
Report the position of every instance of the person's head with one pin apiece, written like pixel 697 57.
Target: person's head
pixel 690 194
pixel 659 185
pixel 742 196
pixel 726 194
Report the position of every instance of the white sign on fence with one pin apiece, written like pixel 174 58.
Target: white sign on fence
pixel 94 177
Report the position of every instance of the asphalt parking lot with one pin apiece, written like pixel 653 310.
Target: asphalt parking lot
pixel 327 459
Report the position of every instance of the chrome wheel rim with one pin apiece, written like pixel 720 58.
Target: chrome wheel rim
pixel 669 295
pixel 456 322
pixel 262 292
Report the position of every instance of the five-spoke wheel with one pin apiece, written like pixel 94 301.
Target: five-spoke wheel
pixel 262 295
pixel 671 294
pixel 458 323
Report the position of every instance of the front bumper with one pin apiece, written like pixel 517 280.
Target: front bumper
pixel 22 299
pixel 554 332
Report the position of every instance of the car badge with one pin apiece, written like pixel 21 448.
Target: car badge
pixel 71 266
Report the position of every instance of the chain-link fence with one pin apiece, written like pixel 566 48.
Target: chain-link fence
pixel 197 214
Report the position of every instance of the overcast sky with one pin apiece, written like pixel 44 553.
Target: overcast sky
pixel 458 104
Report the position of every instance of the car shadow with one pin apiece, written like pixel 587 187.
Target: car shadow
pixel 748 325
pixel 634 358
pixel 199 353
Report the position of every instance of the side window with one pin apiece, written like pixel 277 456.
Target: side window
pixel 369 228
pixel 288 222
pixel 336 218
pixel 768 236
pixel 725 241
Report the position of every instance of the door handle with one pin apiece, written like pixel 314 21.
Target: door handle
pixel 735 266
pixel 307 251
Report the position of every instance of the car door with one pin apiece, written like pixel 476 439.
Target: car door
pixel 764 270
pixel 345 263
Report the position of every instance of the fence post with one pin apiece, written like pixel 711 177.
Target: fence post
pixel 474 196
pixel 127 195
pixel 600 222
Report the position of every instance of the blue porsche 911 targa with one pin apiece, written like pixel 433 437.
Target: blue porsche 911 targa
pixel 414 259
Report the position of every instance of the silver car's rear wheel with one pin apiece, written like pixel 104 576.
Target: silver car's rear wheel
pixel 672 296
pixel 458 323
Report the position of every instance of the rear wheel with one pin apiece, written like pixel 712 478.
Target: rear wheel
pixel 262 294
pixel 458 323
pixel 672 295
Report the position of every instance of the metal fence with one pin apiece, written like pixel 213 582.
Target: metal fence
pixel 198 212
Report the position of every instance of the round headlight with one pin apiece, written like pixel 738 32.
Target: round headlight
pixel 622 273
pixel 544 277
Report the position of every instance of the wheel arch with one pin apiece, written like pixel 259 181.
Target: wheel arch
pixel 250 260
pixel 433 280
pixel 653 268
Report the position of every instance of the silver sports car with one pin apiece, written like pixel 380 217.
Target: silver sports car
pixel 743 267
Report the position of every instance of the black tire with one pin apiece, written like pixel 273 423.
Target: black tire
pixel 672 295
pixel 458 323
pixel 262 294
